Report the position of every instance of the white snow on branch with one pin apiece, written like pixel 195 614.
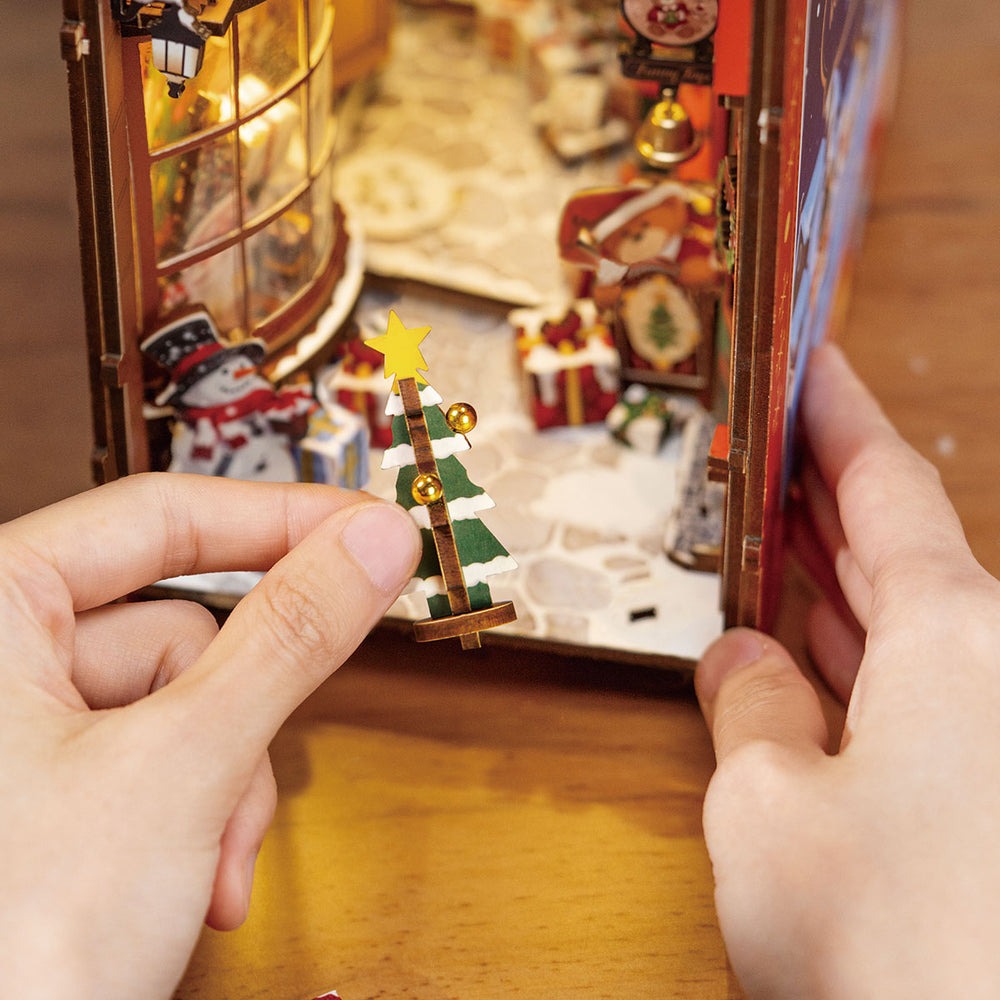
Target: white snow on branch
pixel 402 454
pixel 429 396
pixel 474 574
pixel 459 509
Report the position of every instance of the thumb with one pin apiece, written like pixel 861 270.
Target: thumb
pixel 751 690
pixel 292 631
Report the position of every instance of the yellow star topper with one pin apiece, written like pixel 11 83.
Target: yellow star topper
pixel 401 347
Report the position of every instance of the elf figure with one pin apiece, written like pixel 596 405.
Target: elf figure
pixel 231 420
pixel 460 553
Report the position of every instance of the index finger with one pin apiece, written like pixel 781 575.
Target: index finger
pixel 893 508
pixel 130 533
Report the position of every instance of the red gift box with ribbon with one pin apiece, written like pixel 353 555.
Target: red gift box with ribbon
pixel 570 363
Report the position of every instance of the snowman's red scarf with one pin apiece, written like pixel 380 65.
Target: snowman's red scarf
pixel 270 404
pixel 264 401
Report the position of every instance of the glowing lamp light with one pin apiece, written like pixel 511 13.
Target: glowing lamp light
pixel 178 46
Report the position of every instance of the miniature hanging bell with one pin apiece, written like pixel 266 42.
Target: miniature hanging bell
pixel 667 137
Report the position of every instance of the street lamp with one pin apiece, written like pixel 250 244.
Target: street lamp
pixel 178 39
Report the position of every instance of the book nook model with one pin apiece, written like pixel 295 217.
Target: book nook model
pixel 545 273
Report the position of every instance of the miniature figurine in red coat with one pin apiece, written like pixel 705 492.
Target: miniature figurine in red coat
pixel 647 246
pixel 618 231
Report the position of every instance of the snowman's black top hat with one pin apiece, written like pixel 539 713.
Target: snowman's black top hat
pixel 190 348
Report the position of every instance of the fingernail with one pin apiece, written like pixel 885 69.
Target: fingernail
pixel 743 647
pixel 733 650
pixel 382 539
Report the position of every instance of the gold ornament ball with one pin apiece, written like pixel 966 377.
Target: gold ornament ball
pixel 461 418
pixel 427 489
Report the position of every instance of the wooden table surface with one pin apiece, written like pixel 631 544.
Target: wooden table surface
pixel 513 825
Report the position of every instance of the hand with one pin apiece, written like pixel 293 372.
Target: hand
pixel 135 786
pixel 869 869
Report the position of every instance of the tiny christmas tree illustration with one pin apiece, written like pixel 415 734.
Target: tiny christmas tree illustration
pixel 662 330
pixel 460 552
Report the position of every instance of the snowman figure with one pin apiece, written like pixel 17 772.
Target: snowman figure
pixel 231 420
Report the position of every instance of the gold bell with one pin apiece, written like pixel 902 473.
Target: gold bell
pixel 667 137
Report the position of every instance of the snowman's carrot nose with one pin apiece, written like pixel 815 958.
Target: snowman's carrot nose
pixel 244 372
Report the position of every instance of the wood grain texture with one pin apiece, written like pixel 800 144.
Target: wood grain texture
pixel 503 823
pixel 473 830
pixel 923 327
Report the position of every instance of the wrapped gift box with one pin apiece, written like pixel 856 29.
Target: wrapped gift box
pixel 335 449
pixel 570 362
pixel 357 383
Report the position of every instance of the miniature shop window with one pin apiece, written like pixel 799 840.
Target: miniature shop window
pixel 205 103
pixel 272 49
pixel 217 282
pixel 279 261
pixel 272 154
pixel 322 120
pixel 320 27
pixel 232 164
pixel 194 198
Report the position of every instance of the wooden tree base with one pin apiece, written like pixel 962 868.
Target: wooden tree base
pixel 466 625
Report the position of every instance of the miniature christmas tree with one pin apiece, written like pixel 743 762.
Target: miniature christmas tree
pixel 460 552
